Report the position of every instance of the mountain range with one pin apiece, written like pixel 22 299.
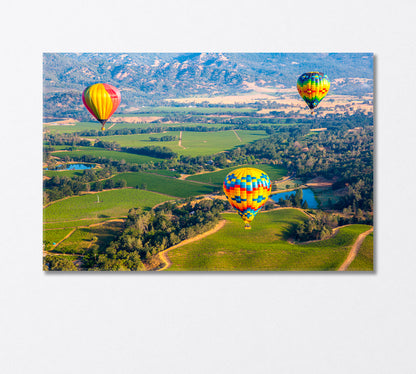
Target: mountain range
pixel 149 78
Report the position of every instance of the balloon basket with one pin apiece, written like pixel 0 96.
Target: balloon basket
pixel 102 128
pixel 247 226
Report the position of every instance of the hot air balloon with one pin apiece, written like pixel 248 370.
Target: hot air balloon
pixel 247 190
pixel 101 100
pixel 313 87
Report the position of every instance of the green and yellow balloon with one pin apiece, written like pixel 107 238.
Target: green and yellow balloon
pixel 313 87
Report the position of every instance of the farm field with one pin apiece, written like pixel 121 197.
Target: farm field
pixel 217 177
pixel 289 184
pixel 72 224
pixel 165 185
pixel 114 203
pixel 264 247
pixel 54 236
pixel 88 126
pixel 76 127
pixel 62 173
pixel 114 155
pixel 201 144
pixel 194 143
pixel 84 237
pixel 364 259
pixel 174 109
pixel 166 173
pixel 141 140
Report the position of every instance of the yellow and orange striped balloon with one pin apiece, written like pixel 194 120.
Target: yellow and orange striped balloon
pixel 101 100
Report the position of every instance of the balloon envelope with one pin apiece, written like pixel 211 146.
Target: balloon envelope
pixel 247 190
pixel 313 87
pixel 101 100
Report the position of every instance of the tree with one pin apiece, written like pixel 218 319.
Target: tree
pixel 98 186
pixel 122 183
pixel 59 263
pixel 299 194
pixel 109 184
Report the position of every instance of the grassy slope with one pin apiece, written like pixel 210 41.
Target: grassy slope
pixel 54 236
pixel 217 177
pixel 141 140
pixel 87 126
pixel 63 173
pixel 113 203
pixel 195 143
pixel 200 110
pixel 264 247
pixel 72 224
pixel 114 155
pixel 364 259
pixel 165 185
pixel 83 237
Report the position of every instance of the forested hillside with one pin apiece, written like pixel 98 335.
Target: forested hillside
pixel 150 78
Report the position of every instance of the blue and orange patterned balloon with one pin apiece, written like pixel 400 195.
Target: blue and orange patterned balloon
pixel 313 87
pixel 247 190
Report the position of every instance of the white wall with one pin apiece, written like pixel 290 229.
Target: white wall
pixel 206 323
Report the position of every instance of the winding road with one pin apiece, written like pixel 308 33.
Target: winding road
pixel 165 260
pixel 354 250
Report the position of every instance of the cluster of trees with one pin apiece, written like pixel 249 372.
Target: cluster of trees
pixel 58 263
pixel 108 184
pixel 151 130
pixel 65 139
pixel 318 227
pixel 59 187
pixel 111 260
pixel 165 138
pixel 252 121
pixel 312 229
pixel 343 152
pixel 148 232
pixel 152 151
pixel 344 155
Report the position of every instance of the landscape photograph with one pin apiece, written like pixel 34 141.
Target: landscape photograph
pixel 208 162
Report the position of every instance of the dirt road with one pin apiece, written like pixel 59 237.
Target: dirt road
pixel 235 132
pixel 165 260
pixel 180 141
pixel 354 250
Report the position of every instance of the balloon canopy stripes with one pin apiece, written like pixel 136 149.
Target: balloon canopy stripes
pixel 101 100
pixel 247 190
pixel 313 87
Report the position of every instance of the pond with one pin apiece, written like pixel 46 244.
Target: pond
pixel 74 167
pixel 307 195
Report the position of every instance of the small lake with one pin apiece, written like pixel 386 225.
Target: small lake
pixel 307 195
pixel 74 167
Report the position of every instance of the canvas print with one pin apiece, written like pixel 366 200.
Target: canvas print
pixel 208 162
